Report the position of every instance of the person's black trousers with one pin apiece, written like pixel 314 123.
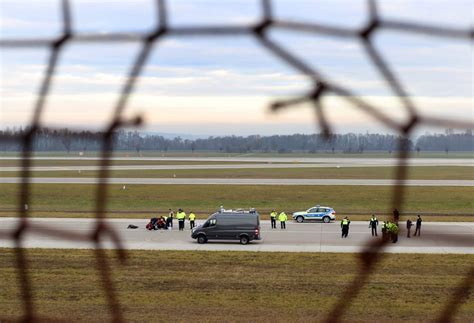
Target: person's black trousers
pixel 417 230
pixel 394 238
pixel 181 224
pixel 191 223
pixel 274 223
pixel 345 231
pixel 283 225
pixel 374 231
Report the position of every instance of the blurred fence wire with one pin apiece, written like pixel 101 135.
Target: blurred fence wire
pixel 321 87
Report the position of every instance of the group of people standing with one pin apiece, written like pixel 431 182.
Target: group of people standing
pixel 282 217
pixel 417 227
pixel 166 221
pixel 389 229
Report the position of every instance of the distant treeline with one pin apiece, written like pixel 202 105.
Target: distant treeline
pixel 66 140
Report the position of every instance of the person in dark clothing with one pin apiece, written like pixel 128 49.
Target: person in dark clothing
pixel 169 220
pixel 345 227
pixel 153 224
pixel 161 224
pixel 409 225
pixel 396 216
pixel 373 225
pixel 418 225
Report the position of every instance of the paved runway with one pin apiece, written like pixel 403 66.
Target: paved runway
pixel 453 237
pixel 236 181
pixel 289 160
pixel 216 166
pixel 188 167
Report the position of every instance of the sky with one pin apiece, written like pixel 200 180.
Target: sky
pixel 223 86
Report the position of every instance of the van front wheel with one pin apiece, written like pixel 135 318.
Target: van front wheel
pixel 201 239
pixel 244 240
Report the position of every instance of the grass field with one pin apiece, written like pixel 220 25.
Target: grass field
pixel 188 286
pixel 207 198
pixel 438 172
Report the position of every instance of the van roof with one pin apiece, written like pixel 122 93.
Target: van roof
pixel 250 211
pixel 232 212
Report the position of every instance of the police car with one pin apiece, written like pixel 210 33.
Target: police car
pixel 324 213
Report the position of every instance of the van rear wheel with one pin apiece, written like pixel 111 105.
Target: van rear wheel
pixel 326 219
pixel 201 239
pixel 299 219
pixel 244 240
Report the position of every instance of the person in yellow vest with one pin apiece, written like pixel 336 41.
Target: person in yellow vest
pixel 393 230
pixel 345 227
pixel 192 217
pixel 181 216
pixel 273 217
pixel 282 218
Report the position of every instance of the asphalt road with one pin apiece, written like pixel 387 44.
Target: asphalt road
pixel 216 166
pixel 453 237
pixel 290 160
pixel 187 167
pixel 236 181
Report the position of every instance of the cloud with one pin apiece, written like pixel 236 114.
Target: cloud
pixel 441 12
pixel 231 80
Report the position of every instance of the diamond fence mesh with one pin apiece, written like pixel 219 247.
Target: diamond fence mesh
pixel 321 86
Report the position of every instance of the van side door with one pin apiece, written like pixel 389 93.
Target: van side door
pixel 211 230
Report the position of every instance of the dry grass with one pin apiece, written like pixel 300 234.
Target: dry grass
pixel 234 286
pixel 207 198
pixel 438 172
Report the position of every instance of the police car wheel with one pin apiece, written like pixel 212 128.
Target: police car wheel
pixel 299 219
pixel 244 240
pixel 201 239
pixel 326 219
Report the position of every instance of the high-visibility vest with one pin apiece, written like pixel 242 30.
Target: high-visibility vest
pixel 345 222
pixel 192 216
pixel 181 215
pixel 273 215
pixel 393 228
pixel 282 217
pixel 166 218
pixel 373 219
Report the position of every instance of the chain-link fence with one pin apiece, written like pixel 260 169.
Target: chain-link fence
pixel 321 87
